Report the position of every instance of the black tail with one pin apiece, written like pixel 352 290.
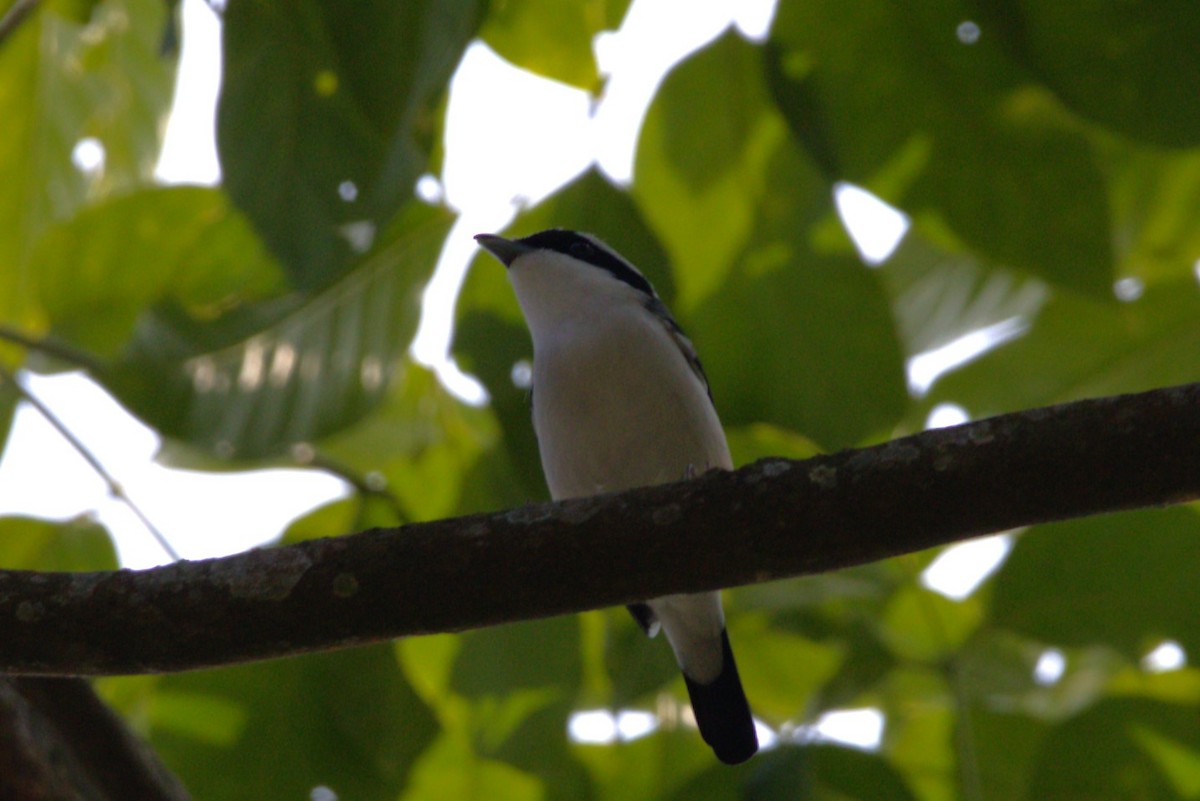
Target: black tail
pixel 722 712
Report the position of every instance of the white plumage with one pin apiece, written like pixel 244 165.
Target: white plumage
pixel 620 401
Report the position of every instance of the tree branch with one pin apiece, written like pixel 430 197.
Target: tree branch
pixel 773 519
pixel 59 742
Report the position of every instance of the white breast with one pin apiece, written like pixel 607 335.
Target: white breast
pixel 615 402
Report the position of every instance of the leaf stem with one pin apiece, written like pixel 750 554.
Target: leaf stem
pixel 114 487
pixel 52 347
pixel 16 14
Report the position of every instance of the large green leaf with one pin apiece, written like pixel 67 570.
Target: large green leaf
pixel 539 746
pixel 955 132
pixel 346 720
pixel 1123 749
pixel 939 297
pixel 831 773
pixel 1004 745
pixel 656 766
pixel 920 625
pixel 80 544
pixel 71 71
pixel 539 654
pixel 782 672
pixel 743 216
pixel 97 273
pixel 637 667
pixel 326 118
pixel 774 337
pixel 1077 348
pixel 1132 66
pixel 436 455
pixel 451 769
pixel 703 166
pixel 504 693
pixel 552 38
pixel 919 735
pixel 816 772
pixel 286 370
pixel 1103 570
pixel 1156 208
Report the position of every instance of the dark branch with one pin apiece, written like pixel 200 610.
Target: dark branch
pixel 58 741
pixel 771 520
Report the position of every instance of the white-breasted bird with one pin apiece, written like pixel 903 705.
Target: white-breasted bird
pixel 620 401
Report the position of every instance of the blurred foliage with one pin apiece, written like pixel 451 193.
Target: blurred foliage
pixel 1044 152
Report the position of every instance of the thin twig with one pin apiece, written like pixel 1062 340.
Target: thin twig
pixel 17 13
pixel 52 347
pixel 114 487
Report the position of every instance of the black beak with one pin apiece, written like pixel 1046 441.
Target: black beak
pixel 506 250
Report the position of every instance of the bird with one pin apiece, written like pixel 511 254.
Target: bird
pixel 620 400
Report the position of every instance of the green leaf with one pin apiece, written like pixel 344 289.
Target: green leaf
pixel 1004 746
pixel 1078 348
pixel 452 770
pixel 776 351
pixel 98 272
pixel 64 78
pixel 817 772
pixel 1121 749
pixel 774 337
pixel 939 297
pixel 1131 66
pixel 702 167
pixel 435 454
pixel 760 441
pixel 958 135
pixel 637 666
pixel 782 671
pixel 326 117
pixel 1156 205
pixel 287 370
pixel 520 656
pixel 654 766
pixel 830 773
pixel 1102 569
pixel 920 625
pixel 539 746
pixel 741 213
pixel 919 736
pixel 346 720
pixel 78 544
pixel 551 38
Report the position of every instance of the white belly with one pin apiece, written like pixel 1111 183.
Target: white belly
pixel 618 406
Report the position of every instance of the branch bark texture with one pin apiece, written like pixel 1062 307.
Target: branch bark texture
pixel 773 519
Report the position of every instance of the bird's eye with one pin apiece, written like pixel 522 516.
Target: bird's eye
pixel 582 250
